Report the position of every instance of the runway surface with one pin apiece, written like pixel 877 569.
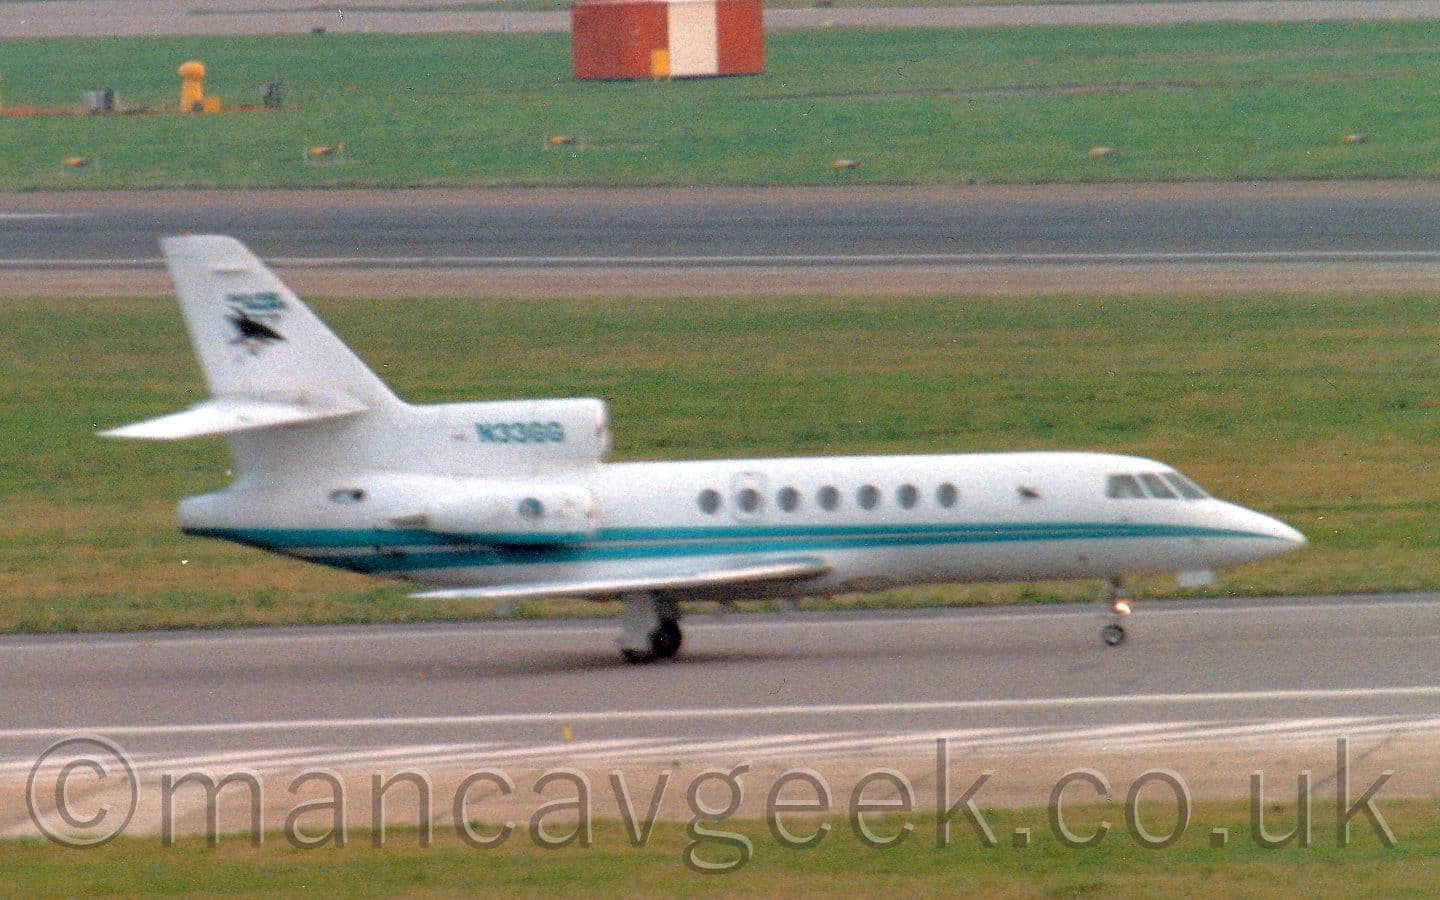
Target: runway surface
pixel 99 731
pixel 1186 237
pixel 794 686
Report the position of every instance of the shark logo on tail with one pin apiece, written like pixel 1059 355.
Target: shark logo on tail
pixel 253 333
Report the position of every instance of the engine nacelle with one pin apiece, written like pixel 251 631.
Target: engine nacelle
pixel 515 513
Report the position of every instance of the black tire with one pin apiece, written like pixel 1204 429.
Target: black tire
pixel 638 657
pixel 1112 635
pixel 665 641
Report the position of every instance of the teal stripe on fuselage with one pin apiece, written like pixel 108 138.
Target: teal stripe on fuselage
pixel 400 551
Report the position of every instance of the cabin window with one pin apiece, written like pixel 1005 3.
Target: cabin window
pixel 907 496
pixel 1187 488
pixel 946 495
pixel 530 509
pixel 1157 487
pixel 868 496
pixel 788 499
pixel 709 501
pixel 1124 487
pixel 829 498
pixel 748 499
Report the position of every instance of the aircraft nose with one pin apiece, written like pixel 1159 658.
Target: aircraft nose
pixel 1282 532
pixel 1289 538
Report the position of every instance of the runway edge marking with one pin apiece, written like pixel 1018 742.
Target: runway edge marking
pixel 636 715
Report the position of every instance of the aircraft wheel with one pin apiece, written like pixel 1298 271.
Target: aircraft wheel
pixel 664 644
pixel 1112 635
pixel 665 640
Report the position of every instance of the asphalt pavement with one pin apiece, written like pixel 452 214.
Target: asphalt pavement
pixel 1092 239
pixel 767 685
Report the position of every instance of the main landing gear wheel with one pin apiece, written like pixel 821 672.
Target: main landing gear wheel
pixel 666 639
pixel 1112 635
pixel 665 642
pixel 650 629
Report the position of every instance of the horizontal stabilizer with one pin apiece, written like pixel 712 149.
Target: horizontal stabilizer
pixel 776 570
pixel 229 415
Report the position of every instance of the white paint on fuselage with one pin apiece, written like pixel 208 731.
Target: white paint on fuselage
pixel 512 499
pixel 1000 489
pixel 1017 516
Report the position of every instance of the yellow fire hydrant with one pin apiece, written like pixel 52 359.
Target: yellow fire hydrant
pixel 192 89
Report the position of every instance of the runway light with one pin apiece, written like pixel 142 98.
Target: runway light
pixel 327 154
pixel 1122 607
pixel 1102 152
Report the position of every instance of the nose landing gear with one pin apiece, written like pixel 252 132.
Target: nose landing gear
pixel 1113 634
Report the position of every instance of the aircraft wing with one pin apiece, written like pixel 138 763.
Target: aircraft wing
pixel 793 569
pixel 228 415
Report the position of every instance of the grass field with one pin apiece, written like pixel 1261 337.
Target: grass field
pixel 839 865
pixel 1021 105
pixel 1320 410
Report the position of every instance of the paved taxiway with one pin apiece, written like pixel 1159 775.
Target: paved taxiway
pixel 147 18
pixel 1077 239
pixel 794 686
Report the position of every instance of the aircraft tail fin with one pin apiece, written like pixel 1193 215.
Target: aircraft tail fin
pixel 254 337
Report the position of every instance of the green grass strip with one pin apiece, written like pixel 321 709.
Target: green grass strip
pixel 839 864
pixel 1321 410
pixel 911 106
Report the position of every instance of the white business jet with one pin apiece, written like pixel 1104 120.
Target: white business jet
pixel 513 500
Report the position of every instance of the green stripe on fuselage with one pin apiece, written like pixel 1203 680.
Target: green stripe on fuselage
pixel 399 551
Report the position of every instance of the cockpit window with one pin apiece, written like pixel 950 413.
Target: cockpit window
pixel 1124 487
pixel 1157 487
pixel 1161 486
pixel 1187 488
